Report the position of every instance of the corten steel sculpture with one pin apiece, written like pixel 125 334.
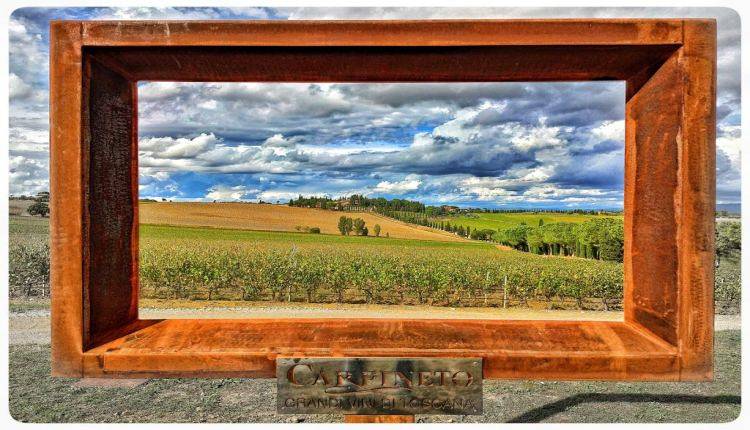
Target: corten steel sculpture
pixel 670 70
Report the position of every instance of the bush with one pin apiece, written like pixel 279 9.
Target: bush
pixel 315 230
pixel 38 208
pixel 28 269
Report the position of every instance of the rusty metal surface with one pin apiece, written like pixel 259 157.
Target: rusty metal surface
pixel 379 386
pixel 382 64
pixel 66 200
pixel 110 135
pixel 697 201
pixel 669 66
pixel 652 129
pixel 563 32
pixel 511 349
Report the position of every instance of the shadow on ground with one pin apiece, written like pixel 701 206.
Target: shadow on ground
pixel 549 410
pixel 36 397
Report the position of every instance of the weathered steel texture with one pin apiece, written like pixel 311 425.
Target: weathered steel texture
pixel 66 199
pixel 670 201
pixel 697 200
pixel 551 32
pixel 652 129
pixel 511 349
pixel 669 66
pixel 384 64
pixel 110 140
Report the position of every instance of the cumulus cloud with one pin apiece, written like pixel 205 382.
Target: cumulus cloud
pixel 494 143
pixel 224 192
pixel 411 183
pixel 18 88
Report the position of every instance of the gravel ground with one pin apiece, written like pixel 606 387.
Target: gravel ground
pixel 37 397
pixel 33 326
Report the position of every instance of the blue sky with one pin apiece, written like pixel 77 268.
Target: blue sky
pixel 504 145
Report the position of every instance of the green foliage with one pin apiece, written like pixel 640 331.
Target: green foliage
pixel 359 227
pixel 514 237
pixel 376 229
pixel 345 225
pixel 728 282
pixel 356 201
pixel 598 238
pixel 503 220
pixel 728 238
pixel 28 273
pixel 38 208
pixel 188 262
pixel 307 229
pixel 484 234
pixel 351 269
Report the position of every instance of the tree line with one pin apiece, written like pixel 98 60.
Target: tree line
pixel 347 225
pixel 599 238
pixel 357 201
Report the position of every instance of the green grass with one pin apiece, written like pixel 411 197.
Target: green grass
pixel 223 264
pixel 27 305
pixel 162 232
pixel 22 226
pixel 36 397
pixel 501 221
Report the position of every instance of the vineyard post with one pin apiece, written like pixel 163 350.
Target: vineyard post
pixel 505 291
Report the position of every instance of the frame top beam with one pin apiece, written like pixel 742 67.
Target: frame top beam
pixel 563 32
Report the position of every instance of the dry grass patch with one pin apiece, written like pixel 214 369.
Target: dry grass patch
pixel 251 216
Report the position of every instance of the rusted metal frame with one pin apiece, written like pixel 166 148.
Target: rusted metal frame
pixel 110 141
pixel 696 61
pixel 673 297
pixel 696 200
pixel 566 349
pixel 561 32
pixel 653 117
pixel 67 161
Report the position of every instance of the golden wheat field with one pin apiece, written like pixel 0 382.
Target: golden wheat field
pixel 251 216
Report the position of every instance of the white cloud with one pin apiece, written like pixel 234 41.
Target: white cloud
pixel 18 88
pixel 154 91
pixel 224 192
pixel 279 141
pixel 411 183
pixel 610 130
pixel 482 129
pixel 168 147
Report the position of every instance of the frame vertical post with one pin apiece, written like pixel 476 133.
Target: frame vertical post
pixel 67 165
pixel 697 198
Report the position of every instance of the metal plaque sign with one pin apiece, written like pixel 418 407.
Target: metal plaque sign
pixel 379 386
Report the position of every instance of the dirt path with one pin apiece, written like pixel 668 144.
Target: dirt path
pixel 33 327
pixel 193 309
pixel 453 236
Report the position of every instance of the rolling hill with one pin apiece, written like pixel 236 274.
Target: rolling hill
pixel 269 217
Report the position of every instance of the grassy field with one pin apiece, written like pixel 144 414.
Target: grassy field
pixel 35 397
pixel 466 273
pixel 221 264
pixel 230 237
pixel 269 217
pixel 30 228
pixel 500 221
pixel 17 207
